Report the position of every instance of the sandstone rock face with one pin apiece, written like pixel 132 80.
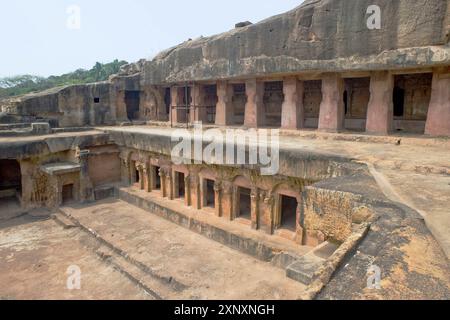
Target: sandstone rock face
pixel 320 35
pixel 70 106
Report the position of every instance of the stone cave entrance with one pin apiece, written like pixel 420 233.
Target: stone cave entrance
pixel 244 203
pixel 288 213
pixel 356 100
pixel 411 98
pixel 157 180
pixel 67 194
pixel 10 183
pixel 180 190
pixel 209 200
pixel 132 101
pixel 273 101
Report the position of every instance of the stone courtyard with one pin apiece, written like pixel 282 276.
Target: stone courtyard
pixel 356 208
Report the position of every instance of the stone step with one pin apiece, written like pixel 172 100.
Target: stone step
pixel 63 221
pixel 154 283
pixel 104 192
pixel 303 269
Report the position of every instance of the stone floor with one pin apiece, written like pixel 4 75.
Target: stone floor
pixel 35 255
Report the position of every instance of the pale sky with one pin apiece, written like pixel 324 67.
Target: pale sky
pixel 35 38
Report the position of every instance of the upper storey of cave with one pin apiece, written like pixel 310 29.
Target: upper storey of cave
pixel 318 36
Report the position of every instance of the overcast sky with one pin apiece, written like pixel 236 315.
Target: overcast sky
pixel 35 38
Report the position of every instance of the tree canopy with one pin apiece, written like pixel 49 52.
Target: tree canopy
pixel 23 84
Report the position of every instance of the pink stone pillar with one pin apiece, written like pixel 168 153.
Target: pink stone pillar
pixel 198 110
pixel 380 111
pixel 177 95
pixel 332 108
pixel 224 107
pixel 254 109
pixel 292 114
pixel 227 200
pixel 438 121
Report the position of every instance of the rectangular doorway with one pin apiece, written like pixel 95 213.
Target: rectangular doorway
pixel 132 101
pixel 67 193
pixel 210 199
pixel 179 185
pixel 157 181
pixel 288 213
pixel 244 204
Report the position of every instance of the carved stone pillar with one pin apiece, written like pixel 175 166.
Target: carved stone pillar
pixel 255 214
pixel 293 114
pixel 332 109
pixel 380 111
pixel 218 198
pixel 195 191
pixel 178 113
pixel 187 191
pixel 198 110
pixel 147 178
pixel 162 175
pixel 254 109
pixel 267 201
pixel 224 107
pixel 438 121
pixel 299 229
pixel 86 187
pixel 227 200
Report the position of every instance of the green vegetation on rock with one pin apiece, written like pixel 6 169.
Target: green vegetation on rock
pixel 23 84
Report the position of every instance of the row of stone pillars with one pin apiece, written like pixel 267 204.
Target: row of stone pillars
pixel 380 114
pixel 265 206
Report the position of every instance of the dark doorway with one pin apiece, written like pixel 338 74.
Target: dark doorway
pixel 10 176
pixel 239 101
pixel 157 182
pixel 210 200
pixel 399 102
pixel 132 101
pixel 137 176
pixel 346 102
pixel 273 101
pixel 180 191
pixel 288 213
pixel 67 193
pixel 244 207
pixel 167 100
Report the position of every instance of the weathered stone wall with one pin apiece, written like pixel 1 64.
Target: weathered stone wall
pixel 72 106
pixel 104 165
